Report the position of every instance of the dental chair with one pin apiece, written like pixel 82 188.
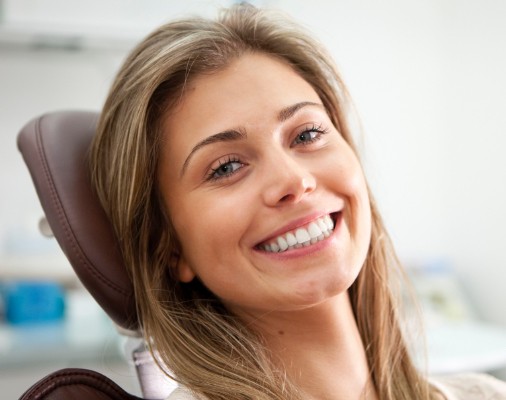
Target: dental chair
pixel 55 148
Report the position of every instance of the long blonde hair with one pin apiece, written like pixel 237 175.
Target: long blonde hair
pixel 201 344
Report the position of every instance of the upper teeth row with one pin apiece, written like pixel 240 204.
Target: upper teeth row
pixel 304 236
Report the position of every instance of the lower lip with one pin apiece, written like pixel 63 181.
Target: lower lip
pixel 307 250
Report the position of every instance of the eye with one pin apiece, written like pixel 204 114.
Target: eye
pixel 310 134
pixel 225 168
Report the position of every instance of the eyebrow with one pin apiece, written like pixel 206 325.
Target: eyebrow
pixel 288 112
pixel 225 136
pixel 233 135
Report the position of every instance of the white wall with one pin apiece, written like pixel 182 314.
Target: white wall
pixel 429 83
pixel 34 82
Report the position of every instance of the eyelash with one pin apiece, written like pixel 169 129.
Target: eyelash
pixel 319 129
pixel 230 160
pixel 233 159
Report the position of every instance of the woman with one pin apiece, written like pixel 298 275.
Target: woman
pixel 261 267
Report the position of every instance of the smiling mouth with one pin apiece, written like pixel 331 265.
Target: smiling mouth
pixel 304 236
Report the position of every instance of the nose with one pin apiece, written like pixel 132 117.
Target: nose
pixel 288 180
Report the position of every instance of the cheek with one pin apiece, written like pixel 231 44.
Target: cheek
pixel 361 223
pixel 349 180
pixel 210 229
pixel 358 186
pixel 343 174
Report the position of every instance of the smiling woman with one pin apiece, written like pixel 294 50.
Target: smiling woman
pixel 260 264
pixel 277 168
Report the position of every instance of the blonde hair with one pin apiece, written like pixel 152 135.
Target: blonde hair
pixel 201 344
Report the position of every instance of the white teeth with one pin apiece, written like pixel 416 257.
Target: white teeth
pixel 311 234
pixel 322 225
pixel 291 240
pixel 302 236
pixel 313 230
pixel 329 222
pixel 283 245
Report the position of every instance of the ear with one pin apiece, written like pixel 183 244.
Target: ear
pixel 184 271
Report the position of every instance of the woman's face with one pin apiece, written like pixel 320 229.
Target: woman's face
pixel 268 200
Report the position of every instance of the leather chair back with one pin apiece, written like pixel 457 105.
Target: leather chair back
pixel 78 384
pixel 55 149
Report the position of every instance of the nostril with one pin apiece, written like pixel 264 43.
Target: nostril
pixel 289 186
pixel 286 198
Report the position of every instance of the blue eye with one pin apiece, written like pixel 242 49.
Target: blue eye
pixel 225 169
pixel 310 135
pixel 307 136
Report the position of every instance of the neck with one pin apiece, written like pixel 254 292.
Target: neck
pixel 321 350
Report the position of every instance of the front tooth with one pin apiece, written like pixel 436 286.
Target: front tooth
pixel 302 236
pixel 313 230
pixel 329 222
pixel 283 245
pixel 291 239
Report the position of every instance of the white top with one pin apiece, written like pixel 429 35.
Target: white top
pixel 470 387
pixel 453 387
pixel 182 393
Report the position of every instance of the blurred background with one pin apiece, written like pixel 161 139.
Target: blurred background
pixel 429 86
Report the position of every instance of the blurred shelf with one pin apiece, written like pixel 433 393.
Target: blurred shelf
pixel 69 37
pixel 54 267
pixel 86 334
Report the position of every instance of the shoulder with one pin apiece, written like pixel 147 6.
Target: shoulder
pixel 181 393
pixel 470 386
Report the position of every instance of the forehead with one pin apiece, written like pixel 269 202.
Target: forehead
pixel 248 93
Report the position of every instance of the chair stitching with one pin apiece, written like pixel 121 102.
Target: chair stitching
pixel 63 218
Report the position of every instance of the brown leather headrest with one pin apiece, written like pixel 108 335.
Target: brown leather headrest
pixel 55 149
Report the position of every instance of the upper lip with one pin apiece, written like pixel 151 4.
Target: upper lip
pixel 296 223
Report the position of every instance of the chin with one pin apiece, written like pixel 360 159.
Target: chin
pixel 314 293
